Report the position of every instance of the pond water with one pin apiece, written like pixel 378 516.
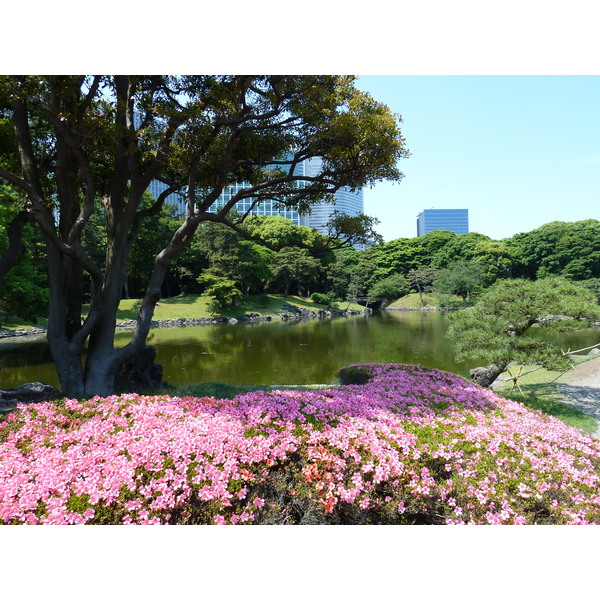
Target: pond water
pixel 297 352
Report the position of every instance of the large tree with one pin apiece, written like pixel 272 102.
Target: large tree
pixel 295 265
pixel 422 279
pixel 494 330
pixel 460 278
pixel 79 139
pixel 568 249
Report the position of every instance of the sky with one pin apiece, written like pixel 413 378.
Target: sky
pixel 516 151
pixel 499 101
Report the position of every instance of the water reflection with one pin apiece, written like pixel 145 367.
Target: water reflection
pixel 297 352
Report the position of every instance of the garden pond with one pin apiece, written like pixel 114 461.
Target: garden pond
pixel 277 353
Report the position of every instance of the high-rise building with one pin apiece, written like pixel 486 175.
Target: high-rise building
pixel 446 219
pixel 157 187
pixel 346 201
pixel 268 208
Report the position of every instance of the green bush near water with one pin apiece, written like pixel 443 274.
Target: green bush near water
pixel 320 298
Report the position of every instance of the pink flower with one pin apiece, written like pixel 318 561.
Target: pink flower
pixel 151 457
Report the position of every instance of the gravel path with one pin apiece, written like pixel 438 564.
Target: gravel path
pixel 581 389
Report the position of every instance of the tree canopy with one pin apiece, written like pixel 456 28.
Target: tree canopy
pixel 72 144
pixel 559 248
pixel 493 331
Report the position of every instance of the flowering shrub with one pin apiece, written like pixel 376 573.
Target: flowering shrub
pixel 411 445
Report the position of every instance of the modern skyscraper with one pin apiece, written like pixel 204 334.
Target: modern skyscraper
pixel 346 201
pixel 446 219
pixel 157 187
pixel 267 207
pixel 350 203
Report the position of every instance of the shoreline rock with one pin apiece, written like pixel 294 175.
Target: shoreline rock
pixel 28 393
pixel 422 309
pixel 290 313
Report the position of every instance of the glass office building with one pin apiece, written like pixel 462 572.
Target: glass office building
pixel 268 208
pixel 350 203
pixel 346 201
pixel 446 219
pixel 178 200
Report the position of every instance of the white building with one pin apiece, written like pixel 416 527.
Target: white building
pixel 347 202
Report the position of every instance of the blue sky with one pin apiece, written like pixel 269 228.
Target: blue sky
pixel 517 151
pixel 499 100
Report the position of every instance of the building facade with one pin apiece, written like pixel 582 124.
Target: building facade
pixel 346 201
pixel 446 219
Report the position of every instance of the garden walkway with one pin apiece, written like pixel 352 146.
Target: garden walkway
pixel 581 389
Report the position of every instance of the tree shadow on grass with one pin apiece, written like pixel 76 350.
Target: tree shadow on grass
pixel 586 399
pixel 574 406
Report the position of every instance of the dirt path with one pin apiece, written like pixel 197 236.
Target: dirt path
pixel 580 388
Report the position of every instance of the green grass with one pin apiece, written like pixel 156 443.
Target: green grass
pixel 17 323
pixel 196 307
pixel 413 300
pixel 189 307
pixel 540 393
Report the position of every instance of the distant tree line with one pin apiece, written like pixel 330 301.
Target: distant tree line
pixel 441 261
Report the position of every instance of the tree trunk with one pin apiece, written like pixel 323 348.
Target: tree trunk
pixel 68 367
pixel 485 376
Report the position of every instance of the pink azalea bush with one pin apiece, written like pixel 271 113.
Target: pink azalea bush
pixel 410 445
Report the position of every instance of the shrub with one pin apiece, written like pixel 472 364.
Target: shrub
pixel 224 290
pixel 318 298
pixel 213 306
pixel 263 300
pixel 358 375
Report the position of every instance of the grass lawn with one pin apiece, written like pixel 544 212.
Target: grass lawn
pixel 540 393
pixel 196 307
pixel 413 300
pixel 17 323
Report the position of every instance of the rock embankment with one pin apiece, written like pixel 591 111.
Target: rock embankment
pixel 421 308
pixel 5 333
pixel 27 393
pixel 288 313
